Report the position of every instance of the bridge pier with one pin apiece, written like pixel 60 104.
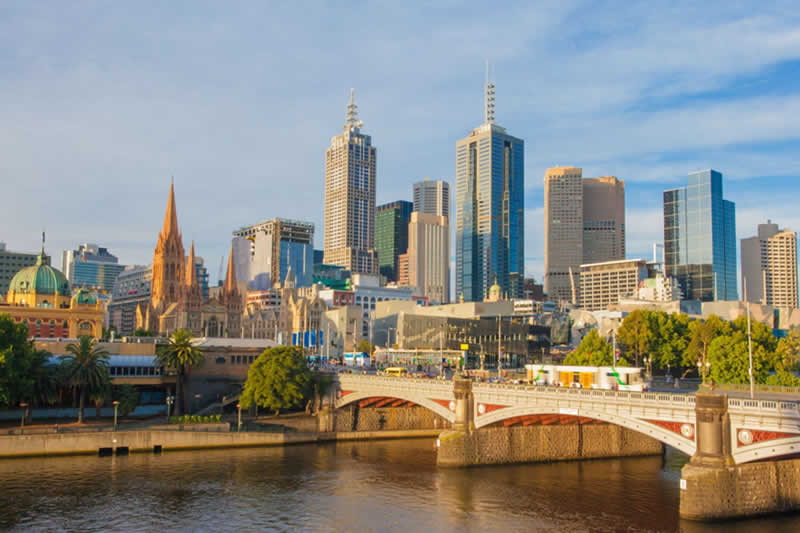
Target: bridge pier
pixel 714 487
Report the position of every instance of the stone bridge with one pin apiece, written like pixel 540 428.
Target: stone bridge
pixel 751 430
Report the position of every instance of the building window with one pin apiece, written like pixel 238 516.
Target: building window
pixel 220 360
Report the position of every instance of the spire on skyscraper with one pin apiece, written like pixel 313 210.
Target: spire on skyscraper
pixel 352 113
pixel 488 111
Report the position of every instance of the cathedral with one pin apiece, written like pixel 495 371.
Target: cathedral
pixel 176 299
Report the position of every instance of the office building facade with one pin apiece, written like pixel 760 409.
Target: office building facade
pixel 264 252
pixel 429 256
pixel 769 266
pixel 391 235
pixel 131 288
pixel 432 198
pixel 350 174
pixel 91 267
pixel 700 238
pixel 603 284
pixel 603 219
pixel 489 210
pixel 10 264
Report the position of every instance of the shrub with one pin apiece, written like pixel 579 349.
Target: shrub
pixel 173 420
pixel 217 418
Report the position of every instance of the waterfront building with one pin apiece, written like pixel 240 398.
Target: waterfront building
pixel 264 252
pixel 700 238
pixel 584 222
pixel 350 172
pixel 131 289
pixel 432 198
pixel 603 284
pixel 769 266
pixel 91 267
pixel 40 297
pixel 489 209
pixel 428 257
pixel 391 235
pixel 10 264
pixel 659 288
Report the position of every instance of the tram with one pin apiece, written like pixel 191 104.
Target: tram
pixel 586 377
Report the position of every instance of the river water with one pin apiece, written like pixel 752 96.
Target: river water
pixel 353 486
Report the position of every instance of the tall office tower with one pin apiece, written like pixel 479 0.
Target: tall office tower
pixel 563 229
pixel 10 264
pixel 429 256
pixel 489 210
pixel 91 267
pixel 391 235
pixel 263 253
pixel 603 219
pixel 350 198
pixel 584 220
pixel 769 266
pixel 700 238
pixel 432 197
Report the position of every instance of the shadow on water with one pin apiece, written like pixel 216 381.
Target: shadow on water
pixel 348 486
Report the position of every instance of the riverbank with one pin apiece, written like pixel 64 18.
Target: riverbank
pixel 158 440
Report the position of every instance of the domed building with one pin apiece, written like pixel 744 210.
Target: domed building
pixel 40 297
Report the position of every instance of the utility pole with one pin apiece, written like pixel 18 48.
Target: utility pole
pixel 499 345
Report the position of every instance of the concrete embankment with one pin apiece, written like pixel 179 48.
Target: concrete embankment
pixel 154 440
pixel 542 444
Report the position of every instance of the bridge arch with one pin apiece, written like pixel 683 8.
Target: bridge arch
pixel 659 433
pixel 416 399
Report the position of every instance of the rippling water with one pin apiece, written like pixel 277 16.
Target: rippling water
pixel 362 487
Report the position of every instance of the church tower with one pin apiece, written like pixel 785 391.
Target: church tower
pixel 168 260
pixel 231 298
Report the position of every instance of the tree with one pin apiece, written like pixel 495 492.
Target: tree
pixel 278 379
pixel 787 361
pixel 22 365
pixel 128 398
pixel 593 351
pixel 702 334
pixel 365 346
pixel 636 334
pixel 730 359
pixel 86 368
pixel 180 354
pixel 141 332
pixel 671 336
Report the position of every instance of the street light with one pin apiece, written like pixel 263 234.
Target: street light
pixel 115 403
pixel 170 399
pixel 239 426
pixel 22 421
pixel 703 368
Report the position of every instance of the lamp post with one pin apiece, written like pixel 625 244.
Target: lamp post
pixel 239 424
pixel 115 403
pixel 703 369
pixel 22 420
pixel 170 399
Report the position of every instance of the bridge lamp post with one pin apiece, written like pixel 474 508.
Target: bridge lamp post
pixel 703 369
pixel 22 420
pixel 115 403
pixel 239 424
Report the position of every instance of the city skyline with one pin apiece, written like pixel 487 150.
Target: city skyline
pixel 124 119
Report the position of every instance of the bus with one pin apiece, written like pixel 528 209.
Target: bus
pixel 396 371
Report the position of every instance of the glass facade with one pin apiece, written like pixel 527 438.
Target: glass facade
pixel 700 238
pixel 489 211
pixel 391 235
pixel 301 257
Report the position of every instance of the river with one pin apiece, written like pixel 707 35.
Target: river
pixel 353 486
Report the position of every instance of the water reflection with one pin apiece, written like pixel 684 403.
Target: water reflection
pixel 348 486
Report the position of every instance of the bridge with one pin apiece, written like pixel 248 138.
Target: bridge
pixel 759 429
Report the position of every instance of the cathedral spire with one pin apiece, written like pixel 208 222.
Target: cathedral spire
pixel 230 276
pixel 191 272
pixel 171 216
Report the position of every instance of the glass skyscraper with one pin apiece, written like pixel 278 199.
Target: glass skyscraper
pixel 700 238
pixel 489 210
pixel 391 235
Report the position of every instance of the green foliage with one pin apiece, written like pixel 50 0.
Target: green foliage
pixel 128 398
pixel 593 351
pixel 636 334
pixel 365 346
pixel 24 375
pixel 180 354
pixel 278 379
pixel 85 368
pixel 730 360
pixel 141 332
pixel 783 379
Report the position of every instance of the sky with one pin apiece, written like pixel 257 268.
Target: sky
pixel 102 103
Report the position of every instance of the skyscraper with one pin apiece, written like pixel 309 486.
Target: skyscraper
pixel 700 238
pixel 391 235
pixel 429 256
pixel 769 266
pixel 350 198
pixel 91 267
pixel 584 221
pixel 432 198
pixel 489 209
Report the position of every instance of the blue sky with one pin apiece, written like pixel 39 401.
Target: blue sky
pixel 102 103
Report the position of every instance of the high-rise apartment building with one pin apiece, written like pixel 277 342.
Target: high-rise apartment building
pixel 489 210
pixel 429 256
pixel 700 238
pixel 432 198
pixel 584 221
pixel 391 235
pixel 10 264
pixel 603 284
pixel 769 266
pixel 263 253
pixel 350 198
pixel 91 266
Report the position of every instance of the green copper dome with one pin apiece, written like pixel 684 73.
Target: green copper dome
pixel 83 296
pixel 40 278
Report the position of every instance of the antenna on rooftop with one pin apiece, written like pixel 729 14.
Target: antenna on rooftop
pixel 352 112
pixel 488 112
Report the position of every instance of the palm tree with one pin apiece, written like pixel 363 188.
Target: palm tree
pixel 86 368
pixel 180 354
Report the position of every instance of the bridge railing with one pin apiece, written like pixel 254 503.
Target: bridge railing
pixel 683 400
pixel 780 406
